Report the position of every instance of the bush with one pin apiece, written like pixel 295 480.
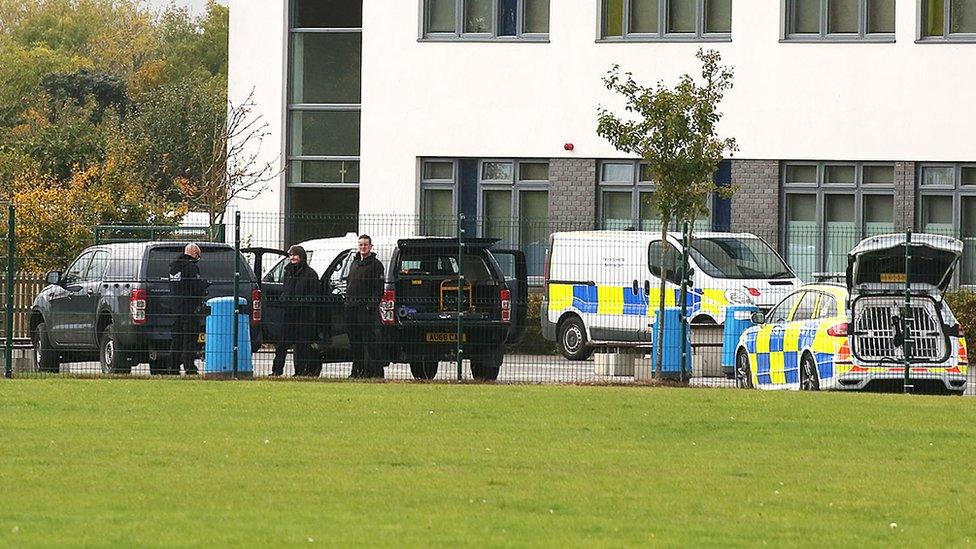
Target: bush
pixel 963 305
pixel 532 341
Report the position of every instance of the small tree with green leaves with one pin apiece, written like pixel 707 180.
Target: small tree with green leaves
pixel 675 131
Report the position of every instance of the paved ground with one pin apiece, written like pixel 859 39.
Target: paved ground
pixel 516 369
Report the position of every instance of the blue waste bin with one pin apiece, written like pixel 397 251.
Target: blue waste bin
pixel 671 351
pixel 738 318
pixel 219 356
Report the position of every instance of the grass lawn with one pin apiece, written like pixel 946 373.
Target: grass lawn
pixel 272 463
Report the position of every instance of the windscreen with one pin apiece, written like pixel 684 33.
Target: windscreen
pixel 737 257
pixel 216 264
pixel 426 262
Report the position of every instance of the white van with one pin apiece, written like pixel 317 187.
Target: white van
pixel 602 287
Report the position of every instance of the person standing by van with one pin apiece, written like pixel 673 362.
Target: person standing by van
pixel 300 299
pixel 364 290
pixel 187 291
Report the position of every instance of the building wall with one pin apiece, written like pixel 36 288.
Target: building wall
pixel 791 101
pixel 755 204
pixel 572 193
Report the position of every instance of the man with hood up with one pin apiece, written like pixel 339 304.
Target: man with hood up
pixel 300 299
pixel 364 290
pixel 187 290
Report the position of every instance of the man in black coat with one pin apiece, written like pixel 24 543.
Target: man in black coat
pixel 187 290
pixel 300 299
pixel 364 290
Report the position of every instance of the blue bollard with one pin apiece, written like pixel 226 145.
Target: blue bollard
pixel 671 359
pixel 219 355
pixel 738 318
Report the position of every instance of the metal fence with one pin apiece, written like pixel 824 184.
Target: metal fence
pixel 506 300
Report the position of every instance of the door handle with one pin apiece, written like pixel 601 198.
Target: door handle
pixel 647 287
pixel 636 290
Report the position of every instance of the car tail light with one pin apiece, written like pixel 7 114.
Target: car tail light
pixel 387 306
pixel 255 307
pixel 506 297
pixel 838 330
pixel 138 301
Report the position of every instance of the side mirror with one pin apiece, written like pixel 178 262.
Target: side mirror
pixel 758 317
pixel 53 277
pixel 690 275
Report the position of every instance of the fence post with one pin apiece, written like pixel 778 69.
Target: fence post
pixel 906 335
pixel 460 260
pixel 8 370
pixel 237 285
pixel 683 296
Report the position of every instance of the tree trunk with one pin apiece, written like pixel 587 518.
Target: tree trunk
pixel 659 321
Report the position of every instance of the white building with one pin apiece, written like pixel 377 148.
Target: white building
pixel 852 116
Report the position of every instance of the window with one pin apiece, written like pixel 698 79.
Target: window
pixel 626 199
pixel 651 20
pixel 804 310
pixel 97 268
pixel 830 207
pixel 948 206
pixel 839 20
pixel 781 312
pixel 486 20
pixel 827 307
pixel 947 20
pixel 671 264
pixel 507 199
pixel 324 91
pixel 76 272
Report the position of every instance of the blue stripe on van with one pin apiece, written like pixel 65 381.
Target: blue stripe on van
pixel 585 298
pixel 634 304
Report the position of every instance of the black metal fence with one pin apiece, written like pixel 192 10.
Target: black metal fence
pixel 507 300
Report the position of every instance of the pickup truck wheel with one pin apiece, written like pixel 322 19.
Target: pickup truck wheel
pixel 487 368
pixel 113 358
pixel 572 340
pixel 45 357
pixel 424 369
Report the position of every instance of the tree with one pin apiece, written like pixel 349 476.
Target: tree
pixel 230 165
pixel 675 132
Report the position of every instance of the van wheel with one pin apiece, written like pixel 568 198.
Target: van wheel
pixel 113 358
pixel 743 372
pixel 45 356
pixel 424 369
pixel 809 377
pixel 572 339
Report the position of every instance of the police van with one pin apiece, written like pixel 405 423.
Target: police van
pixel 602 287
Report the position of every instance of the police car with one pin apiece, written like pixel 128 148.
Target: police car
pixel 833 336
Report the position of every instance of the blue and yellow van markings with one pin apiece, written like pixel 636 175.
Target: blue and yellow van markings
pixel 619 300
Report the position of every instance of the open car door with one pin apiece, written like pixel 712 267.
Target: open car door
pixel 513 265
pixel 269 272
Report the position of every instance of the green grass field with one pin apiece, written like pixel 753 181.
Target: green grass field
pixel 188 462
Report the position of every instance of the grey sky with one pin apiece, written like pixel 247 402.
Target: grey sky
pixel 196 7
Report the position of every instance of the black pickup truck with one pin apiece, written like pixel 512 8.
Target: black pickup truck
pixel 420 311
pixel 113 304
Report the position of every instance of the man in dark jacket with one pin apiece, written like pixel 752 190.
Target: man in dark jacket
pixel 364 290
pixel 300 299
pixel 186 291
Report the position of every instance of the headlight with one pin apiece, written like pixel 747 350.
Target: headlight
pixel 737 297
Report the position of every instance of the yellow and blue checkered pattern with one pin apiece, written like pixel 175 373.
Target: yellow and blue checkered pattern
pixel 618 300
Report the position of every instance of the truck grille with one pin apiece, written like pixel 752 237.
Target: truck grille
pixel 877 334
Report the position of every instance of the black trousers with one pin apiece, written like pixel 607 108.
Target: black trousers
pixel 361 326
pixel 183 346
pixel 307 359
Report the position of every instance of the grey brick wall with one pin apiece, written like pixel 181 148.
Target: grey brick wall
pixel 572 193
pixel 904 195
pixel 755 204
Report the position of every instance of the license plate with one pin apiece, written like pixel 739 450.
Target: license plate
pixel 438 337
pixel 201 338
